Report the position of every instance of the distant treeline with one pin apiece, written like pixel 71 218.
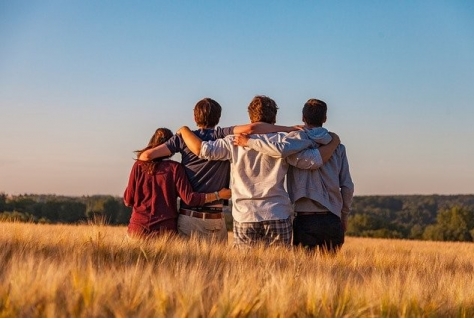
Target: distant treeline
pixel 64 209
pixel 425 217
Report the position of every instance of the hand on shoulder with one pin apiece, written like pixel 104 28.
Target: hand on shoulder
pixel 241 139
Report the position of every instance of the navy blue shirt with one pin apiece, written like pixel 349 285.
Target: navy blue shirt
pixel 205 176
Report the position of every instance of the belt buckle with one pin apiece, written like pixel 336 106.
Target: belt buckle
pixel 199 215
pixel 195 214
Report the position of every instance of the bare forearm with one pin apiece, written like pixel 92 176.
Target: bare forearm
pixel 192 141
pixel 224 193
pixel 327 150
pixel 262 128
pixel 159 151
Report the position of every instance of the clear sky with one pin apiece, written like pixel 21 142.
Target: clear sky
pixel 85 83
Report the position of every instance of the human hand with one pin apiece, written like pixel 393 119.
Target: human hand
pixel 241 139
pixel 225 193
pixel 298 127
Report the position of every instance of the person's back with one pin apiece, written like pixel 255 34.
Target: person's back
pixel 205 176
pixel 261 206
pixel 205 221
pixel 319 182
pixel 322 197
pixel 153 189
pixel 149 194
pixel 258 180
pixel 323 184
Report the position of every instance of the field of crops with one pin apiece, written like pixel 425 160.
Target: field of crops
pixel 96 271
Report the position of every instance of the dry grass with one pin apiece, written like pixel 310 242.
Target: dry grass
pixel 95 271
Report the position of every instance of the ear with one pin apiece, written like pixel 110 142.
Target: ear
pixel 325 119
pixel 303 119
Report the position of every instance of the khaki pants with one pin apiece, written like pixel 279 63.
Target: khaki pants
pixel 213 229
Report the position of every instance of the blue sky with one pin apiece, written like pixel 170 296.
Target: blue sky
pixel 84 83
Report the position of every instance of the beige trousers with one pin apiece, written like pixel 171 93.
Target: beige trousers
pixel 213 229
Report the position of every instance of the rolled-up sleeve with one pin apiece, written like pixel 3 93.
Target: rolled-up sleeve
pixel 218 150
pixel 279 149
pixel 306 159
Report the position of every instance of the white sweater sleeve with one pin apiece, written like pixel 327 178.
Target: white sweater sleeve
pixel 280 149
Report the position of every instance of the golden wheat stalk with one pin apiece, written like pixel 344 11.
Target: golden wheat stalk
pixel 96 271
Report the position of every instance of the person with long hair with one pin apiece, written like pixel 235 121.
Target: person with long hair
pixel 153 190
pixel 206 221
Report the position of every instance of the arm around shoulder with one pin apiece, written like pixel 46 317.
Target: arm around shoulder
pixel 327 150
pixel 263 128
pixel 192 140
pixel 159 151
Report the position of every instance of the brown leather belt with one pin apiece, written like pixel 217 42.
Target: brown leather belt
pixel 311 213
pixel 205 209
pixel 193 213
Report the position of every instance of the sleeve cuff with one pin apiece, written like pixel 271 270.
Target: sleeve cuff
pixel 203 151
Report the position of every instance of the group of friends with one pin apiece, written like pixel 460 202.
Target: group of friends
pixel 250 164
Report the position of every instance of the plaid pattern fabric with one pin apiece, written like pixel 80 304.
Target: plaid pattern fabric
pixel 269 232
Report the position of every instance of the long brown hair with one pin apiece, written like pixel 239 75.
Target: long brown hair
pixel 160 136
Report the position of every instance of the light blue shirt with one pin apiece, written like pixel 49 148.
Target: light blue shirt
pixel 329 185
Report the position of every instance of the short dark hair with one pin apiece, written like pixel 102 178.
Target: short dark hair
pixel 314 112
pixel 262 109
pixel 207 113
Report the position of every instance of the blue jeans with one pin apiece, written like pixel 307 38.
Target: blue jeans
pixel 322 231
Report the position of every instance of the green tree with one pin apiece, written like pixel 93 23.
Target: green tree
pixel 359 224
pixel 71 211
pixel 124 213
pixel 50 210
pixel 3 202
pixel 416 232
pixel 16 217
pixel 110 210
pixel 22 204
pixel 452 224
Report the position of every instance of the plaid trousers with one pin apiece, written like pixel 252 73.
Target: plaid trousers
pixel 269 232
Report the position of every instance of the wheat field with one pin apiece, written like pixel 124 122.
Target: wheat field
pixel 96 271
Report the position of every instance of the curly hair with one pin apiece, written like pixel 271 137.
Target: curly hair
pixel 314 112
pixel 207 113
pixel 262 109
pixel 160 136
